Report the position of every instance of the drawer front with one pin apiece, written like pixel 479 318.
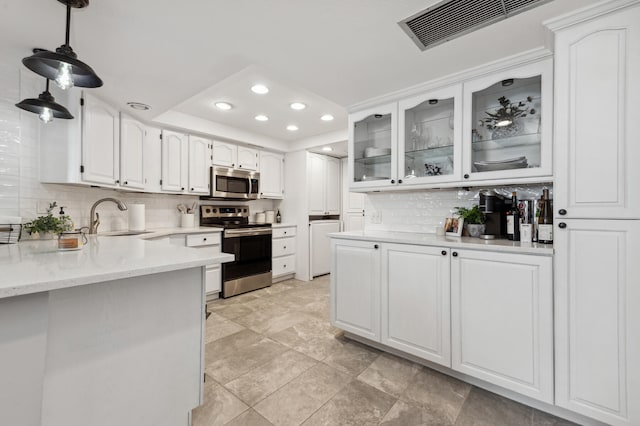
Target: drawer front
pixel 283 247
pixel 284 232
pixel 198 240
pixel 284 265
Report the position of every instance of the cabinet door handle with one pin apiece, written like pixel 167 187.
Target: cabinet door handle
pixel 240 165
pixel 192 189
pixel 454 254
pixel 285 232
pixel 285 247
pixel 204 239
pixel 375 246
pixel 562 225
pixel 466 176
pixel 117 180
pixel 562 212
pixel 399 180
pixel 444 252
pixel 126 182
pixel 393 181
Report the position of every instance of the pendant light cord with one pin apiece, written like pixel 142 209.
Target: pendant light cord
pixel 66 40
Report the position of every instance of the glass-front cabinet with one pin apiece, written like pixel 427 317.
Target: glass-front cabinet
pixel 373 147
pixel 430 141
pixel 508 127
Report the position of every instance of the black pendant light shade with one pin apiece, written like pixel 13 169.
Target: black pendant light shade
pixel 45 106
pixel 63 65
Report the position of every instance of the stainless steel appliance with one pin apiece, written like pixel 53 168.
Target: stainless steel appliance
pixel 234 184
pixel 249 243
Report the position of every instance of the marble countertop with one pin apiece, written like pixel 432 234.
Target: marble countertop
pixel 36 266
pixel 500 245
pixel 284 225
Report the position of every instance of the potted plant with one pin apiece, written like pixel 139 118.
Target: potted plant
pixel 473 220
pixel 49 225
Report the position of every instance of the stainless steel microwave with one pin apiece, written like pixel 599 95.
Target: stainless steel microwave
pixel 234 184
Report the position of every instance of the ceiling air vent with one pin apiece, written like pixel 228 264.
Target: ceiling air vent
pixel 454 18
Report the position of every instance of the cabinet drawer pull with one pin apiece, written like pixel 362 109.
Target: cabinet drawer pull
pixel 444 252
pixel 454 254
pixel 562 225
pixel 285 232
pixel 466 176
pixel 562 212
pixel 126 182
pixel 117 180
pixel 183 188
pixel 285 247
pixel 375 246
pixel 204 239
pixel 393 181
pixel 399 180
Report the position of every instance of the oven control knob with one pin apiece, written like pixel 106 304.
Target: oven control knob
pixel 215 210
pixel 245 210
pixel 207 210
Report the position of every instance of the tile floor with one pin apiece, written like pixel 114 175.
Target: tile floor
pixel 272 358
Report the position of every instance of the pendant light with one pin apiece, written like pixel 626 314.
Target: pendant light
pixel 45 106
pixel 62 66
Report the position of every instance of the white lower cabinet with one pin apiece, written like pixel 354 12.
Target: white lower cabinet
pixel 502 320
pixel 283 252
pixel 597 319
pixel 210 242
pixel 355 287
pixel 415 301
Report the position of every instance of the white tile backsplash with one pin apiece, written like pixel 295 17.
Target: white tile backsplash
pixel 425 210
pixel 22 194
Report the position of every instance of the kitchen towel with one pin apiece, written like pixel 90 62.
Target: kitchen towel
pixel 136 217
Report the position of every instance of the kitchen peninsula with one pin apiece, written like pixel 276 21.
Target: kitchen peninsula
pixel 109 334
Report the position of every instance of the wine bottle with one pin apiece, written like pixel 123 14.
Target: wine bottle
pixel 513 219
pixel 278 217
pixel 545 220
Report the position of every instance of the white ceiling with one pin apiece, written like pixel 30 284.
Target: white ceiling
pixel 330 54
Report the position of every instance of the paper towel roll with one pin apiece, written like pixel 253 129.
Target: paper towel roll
pixel 136 217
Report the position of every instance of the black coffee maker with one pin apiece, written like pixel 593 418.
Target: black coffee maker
pixel 494 206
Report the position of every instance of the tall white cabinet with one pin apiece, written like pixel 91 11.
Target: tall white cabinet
pixel 199 160
pixel 271 175
pixel 175 151
pixel 133 136
pixel 100 142
pixel 324 184
pixel 597 207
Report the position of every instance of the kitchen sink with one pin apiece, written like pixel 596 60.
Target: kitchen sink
pixel 123 233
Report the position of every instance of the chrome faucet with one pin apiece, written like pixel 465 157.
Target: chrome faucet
pixel 93 228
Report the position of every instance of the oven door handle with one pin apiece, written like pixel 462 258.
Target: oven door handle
pixel 235 233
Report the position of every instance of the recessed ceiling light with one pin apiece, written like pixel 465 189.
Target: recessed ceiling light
pixel 327 149
pixel 260 89
pixel 139 106
pixel 225 106
pixel 326 117
pixel 261 117
pixel 297 106
pixel 292 127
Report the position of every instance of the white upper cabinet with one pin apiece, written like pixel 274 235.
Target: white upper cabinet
pixel 247 158
pixel 224 154
pixel 233 156
pixel 174 161
pixel 323 185
pixel 429 138
pixel 597 154
pixel 271 175
pixel 199 164
pixel 153 160
pixel 100 142
pixel 507 130
pixel 373 145
pixel 132 146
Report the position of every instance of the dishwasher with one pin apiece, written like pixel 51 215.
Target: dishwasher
pixel 320 245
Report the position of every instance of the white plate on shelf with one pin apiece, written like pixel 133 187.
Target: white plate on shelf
pixel 376 152
pixel 511 163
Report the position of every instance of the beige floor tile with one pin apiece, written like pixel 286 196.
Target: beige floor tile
pixel 314 338
pixel 541 418
pixel 215 330
pixel 441 395
pixel 301 397
pixel 256 384
pixel 410 414
pixel 220 406
pixel 244 359
pixel 356 404
pixel 270 323
pixel 351 357
pixel 390 374
pixel 249 418
pixel 230 345
pixel 484 408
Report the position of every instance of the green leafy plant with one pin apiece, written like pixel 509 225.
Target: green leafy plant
pixel 507 112
pixel 472 216
pixel 50 223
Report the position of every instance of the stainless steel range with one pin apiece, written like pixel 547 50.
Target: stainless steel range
pixel 249 243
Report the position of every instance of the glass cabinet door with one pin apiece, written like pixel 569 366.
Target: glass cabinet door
pixel 508 132
pixel 373 146
pixel 429 140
